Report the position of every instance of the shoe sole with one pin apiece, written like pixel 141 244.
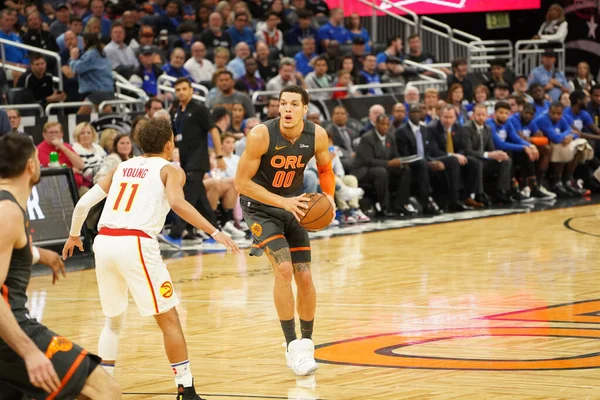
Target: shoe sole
pixel 165 241
pixel 310 371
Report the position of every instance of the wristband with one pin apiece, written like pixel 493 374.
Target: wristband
pixel 36 254
pixel 215 233
pixel 219 157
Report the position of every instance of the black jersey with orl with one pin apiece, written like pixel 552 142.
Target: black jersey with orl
pixel 281 169
pixel 14 289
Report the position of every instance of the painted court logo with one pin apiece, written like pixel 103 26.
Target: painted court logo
pixel 166 290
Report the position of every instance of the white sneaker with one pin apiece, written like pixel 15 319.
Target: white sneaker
pixel 300 356
pixel 526 192
pixel 244 226
pixel 547 192
pixel 334 222
pixel 347 193
pixel 234 232
pixel 360 216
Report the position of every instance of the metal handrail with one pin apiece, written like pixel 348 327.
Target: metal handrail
pixel 4 42
pixel 122 83
pixel 384 9
pixel 440 83
pixel 483 51
pixel 119 102
pixel 446 32
pixel 24 107
pixel 468 36
pixel 530 47
pixel 428 67
pixel 385 4
pixel 67 104
pixel 165 77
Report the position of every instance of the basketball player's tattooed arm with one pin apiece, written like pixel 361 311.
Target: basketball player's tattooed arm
pixel 257 144
pixel 40 369
pixel 279 256
pixel 301 267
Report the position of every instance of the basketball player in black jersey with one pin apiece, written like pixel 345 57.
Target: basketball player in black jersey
pixel 270 178
pixel 34 361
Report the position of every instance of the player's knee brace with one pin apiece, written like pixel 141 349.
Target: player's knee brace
pixel 108 344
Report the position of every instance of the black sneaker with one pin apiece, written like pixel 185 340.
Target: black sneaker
pixel 560 190
pixel 187 393
pixel 574 188
pixel 537 194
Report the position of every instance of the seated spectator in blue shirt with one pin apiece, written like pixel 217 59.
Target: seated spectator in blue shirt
pixel 301 30
pixel 146 75
pixel 552 80
pixel 175 67
pixel 368 75
pixel 356 29
pixel 171 18
pixel 186 31
pixel 522 152
pixel 580 120
pixel 393 49
pixel 75 26
pixel 565 154
pixel 97 7
pixel 305 56
pixel 237 66
pixel 334 29
pixel 240 32
pixel 539 99
pixel 14 55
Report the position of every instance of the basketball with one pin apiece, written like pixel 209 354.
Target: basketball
pixel 318 215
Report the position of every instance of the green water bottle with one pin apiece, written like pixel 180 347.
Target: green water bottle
pixel 54 160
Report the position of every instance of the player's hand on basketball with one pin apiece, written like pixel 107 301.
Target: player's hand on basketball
pixel 72 242
pixel 296 205
pixel 226 241
pixel 52 260
pixel 41 371
pixel 332 201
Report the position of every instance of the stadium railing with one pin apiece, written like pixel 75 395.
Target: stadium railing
pixel 481 53
pixel 404 24
pixel 24 107
pixel 528 55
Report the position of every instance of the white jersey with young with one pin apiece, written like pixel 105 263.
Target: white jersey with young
pixel 137 198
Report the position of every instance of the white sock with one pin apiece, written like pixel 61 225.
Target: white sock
pixel 109 368
pixel 183 373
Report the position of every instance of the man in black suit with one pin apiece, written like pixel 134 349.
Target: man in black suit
pixel 452 140
pixel 191 123
pixel 481 146
pixel 410 141
pixel 377 164
pixel 343 136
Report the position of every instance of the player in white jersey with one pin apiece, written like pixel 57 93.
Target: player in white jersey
pixel 139 194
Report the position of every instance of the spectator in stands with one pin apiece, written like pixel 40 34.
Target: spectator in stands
pixel 374 111
pixel 14 55
pixel 251 82
pixel 539 99
pixel 198 66
pixel 305 57
pixel 14 118
pixel 185 33
pixel 528 130
pixel 132 28
pixel 431 101
pixel 501 91
pixel 240 145
pixel 552 80
pixel 333 56
pixel 236 66
pixel 399 116
pixel 94 73
pixel 136 127
pixel 202 14
pixel 354 26
pixel 75 26
pixel 221 58
pixel 175 67
pixel 555 28
pixel 267 32
pixel 497 74
pixel 334 29
pixel 152 106
pixel 343 136
pixel 118 53
pixel 214 36
pixel 520 88
pixel 565 99
pixel 224 8
pixel 107 138
pixel 459 75
pixel 301 30
pixel 271 111
pixel 416 54
pixel 171 18
pixel 393 49
pixel 358 53
pixel 496 163
pixel 89 150
pixel 516 103
pixel 318 7
pixel 287 76
pixel 146 75
pixel 122 151
pixel 411 95
pixel 319 79
pixel 39 82
pixel 227 96
pixel 92 26
pixel 267 67
pixel 97 11
pixel 377 164
pixel 368 76
pixel 394 73
pixel 343 80
pixel 61 19
pixel 145 37
pixel 452 140
pixel 70 83
pixel 53 141
pixel 584 79
pixel 36 36
pixel 240 32
pixel 593 107
pixel 238 114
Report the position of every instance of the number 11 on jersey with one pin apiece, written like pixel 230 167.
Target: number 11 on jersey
pixel 124 185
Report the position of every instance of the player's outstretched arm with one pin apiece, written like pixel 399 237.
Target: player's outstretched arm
pixel 323 159
pixel 94 196
pixel 40 369
pixel 172 177
pixel 257 144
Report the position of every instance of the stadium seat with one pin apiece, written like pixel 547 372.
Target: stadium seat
pixel 291 50
pixel 21 96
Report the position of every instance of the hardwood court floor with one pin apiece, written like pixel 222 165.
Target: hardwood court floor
pixel 429 287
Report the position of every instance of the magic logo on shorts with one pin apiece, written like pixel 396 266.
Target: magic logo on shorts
pixel 166 290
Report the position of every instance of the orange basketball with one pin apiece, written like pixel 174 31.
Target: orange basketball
pixel 318 215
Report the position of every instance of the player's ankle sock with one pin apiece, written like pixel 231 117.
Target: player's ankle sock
pixel 289 330
pixel 226 216
pixel 183 373
pixel 307 328
pixel 108 367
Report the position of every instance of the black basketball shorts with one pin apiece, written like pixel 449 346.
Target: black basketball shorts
pixel 275 228
pixel 72 364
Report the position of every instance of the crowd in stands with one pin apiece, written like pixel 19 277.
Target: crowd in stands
pixel 499 140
